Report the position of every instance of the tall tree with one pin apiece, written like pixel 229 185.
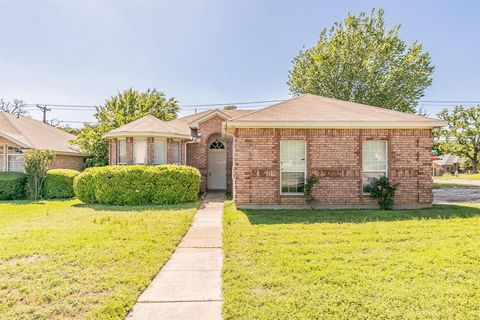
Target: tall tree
pixel 119 110
pixel 462 135
pixel 16 106
pixel 361 60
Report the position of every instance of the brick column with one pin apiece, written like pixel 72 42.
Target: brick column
pixel 150 155
pixel 169 151
pixel 113 151
pixel 129 150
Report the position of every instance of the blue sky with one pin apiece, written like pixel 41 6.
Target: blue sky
pixel 82 52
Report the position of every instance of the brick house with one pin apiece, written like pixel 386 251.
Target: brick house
pixel 264 156
pixel 18 134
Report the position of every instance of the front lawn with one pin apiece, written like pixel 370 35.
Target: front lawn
pixel 463 176
pixel 442 185
pixel 62 259
pixel 352 264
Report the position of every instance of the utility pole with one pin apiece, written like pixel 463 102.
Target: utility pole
pixel 44 109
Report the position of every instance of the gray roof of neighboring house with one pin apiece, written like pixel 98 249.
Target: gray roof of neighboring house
pixel 317 111
pixel 34 134
pixel 447 160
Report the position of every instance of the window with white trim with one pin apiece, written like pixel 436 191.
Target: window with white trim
pixel 292 166
pixel 122 151
pixel 176 152
pixel 2 159
pixel 374 160
pixel 139 151
pixel 159 151
pixel 15 160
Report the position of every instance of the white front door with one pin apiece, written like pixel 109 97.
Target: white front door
pixel 217 166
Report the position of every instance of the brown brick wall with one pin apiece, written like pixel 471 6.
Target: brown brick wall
pixel 197 155
pixel 334 155
pixel 67 162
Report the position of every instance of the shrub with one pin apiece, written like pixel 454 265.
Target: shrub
pixel 59 183
pixel 12 185
pixel 383 190
pixel 138 185
pixel 84 185
pixel 36 166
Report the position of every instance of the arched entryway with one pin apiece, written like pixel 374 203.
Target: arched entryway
pixel 217 163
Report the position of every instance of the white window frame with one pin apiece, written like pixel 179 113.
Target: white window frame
pixel 16 162
pixel 374 171
pixel 179 152
pixel 118 151
pixel 133 151
pixel 165 151
pixel 304 170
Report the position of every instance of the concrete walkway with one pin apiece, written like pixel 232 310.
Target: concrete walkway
pixel 189 286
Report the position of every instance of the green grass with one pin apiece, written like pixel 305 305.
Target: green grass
pixel 463 176
pixel 65 260
pixel 440 185
pixel 352 264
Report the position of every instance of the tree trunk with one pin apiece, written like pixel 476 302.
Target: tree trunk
pixel 474 165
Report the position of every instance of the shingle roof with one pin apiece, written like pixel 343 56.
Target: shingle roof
pixel 447 160
pixel 310 108
pixel 146 124
pixel 154 126
pixel 30 133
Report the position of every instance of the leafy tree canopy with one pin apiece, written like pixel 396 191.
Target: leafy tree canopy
pixel 462 135
pixel 119 110
pixel 361 60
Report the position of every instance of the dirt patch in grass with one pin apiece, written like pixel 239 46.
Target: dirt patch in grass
pixel 25 259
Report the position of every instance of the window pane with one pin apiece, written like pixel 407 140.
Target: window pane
pixel 159 152
pixel 292 165
pixel 293 182
pixel 139 151
pixel 366 176
pixel 15 160
pixel 292 155
pixel 374 156
pixel 176 152
pixel 122 151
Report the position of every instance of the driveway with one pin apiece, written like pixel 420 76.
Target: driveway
pixel 456 194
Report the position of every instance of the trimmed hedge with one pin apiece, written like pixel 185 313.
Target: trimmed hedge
pixel 12 185
pixel 138 185
pixel 59 183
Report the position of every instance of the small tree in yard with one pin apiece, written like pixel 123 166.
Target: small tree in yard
pixel 462 135
pixel 36 166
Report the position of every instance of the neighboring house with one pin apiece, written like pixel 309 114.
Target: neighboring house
pixel 18 134
pixel 447 163
pixel 264 156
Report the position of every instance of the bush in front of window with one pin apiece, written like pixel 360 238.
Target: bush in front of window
pixel 59 183
pixel 12 185
pixel 138 185
pixel 383 190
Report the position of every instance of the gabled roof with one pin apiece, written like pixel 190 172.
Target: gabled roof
pixel 177 128
pixel 33 134
pixel 315 111
pixel 147 125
